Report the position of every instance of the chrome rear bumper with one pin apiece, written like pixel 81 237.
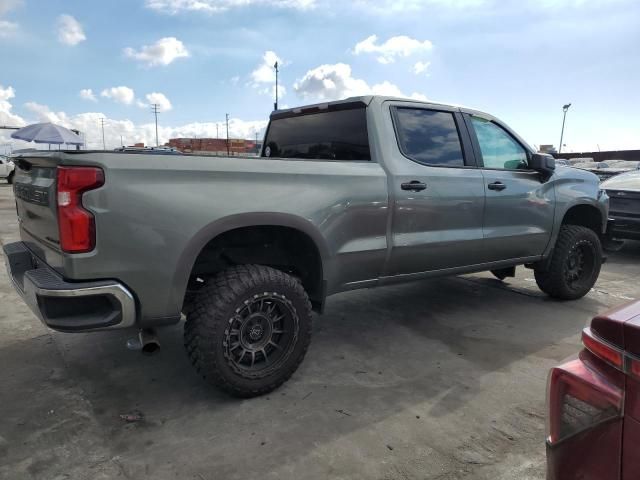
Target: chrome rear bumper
pixel 68 306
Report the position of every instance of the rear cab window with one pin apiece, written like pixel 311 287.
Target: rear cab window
pixel 320 135
pixel 429 137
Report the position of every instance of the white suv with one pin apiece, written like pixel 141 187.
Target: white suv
pixel 6 168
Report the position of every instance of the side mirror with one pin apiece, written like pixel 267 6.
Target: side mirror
pixel 543 163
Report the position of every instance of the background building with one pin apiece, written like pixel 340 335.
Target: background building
pixel 602 156
pixel 217 146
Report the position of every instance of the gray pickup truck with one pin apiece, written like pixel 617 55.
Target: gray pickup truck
pixel 358 193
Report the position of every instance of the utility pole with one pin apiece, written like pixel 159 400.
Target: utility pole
pixel 217 134
pixel 227 117
pixel 155 109
pixel 565 108
pixel 275 105
pixel 121 144
pixel 104 146
pixel 257 142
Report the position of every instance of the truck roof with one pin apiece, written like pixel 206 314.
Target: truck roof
pixel 366 100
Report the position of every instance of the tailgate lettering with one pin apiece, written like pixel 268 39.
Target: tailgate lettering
pixel 32 194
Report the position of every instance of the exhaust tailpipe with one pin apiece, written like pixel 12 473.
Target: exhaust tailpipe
pixel 147 342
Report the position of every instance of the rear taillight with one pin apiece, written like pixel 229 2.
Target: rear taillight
pixel 602 349
pixel 614 356
pixel 76 224
pixel 580 398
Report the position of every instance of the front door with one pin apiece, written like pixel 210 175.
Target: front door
pixel 438 193
pixel 519 210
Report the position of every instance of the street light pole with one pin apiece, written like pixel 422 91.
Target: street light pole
pixel 275 105
pixel 565 108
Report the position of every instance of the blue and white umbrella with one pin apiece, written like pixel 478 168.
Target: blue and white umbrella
pixel 47 133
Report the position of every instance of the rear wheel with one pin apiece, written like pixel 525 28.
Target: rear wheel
pixel 249 329
pixel 575 264
pixel 10 178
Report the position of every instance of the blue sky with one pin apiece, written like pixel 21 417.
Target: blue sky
pixel 520 60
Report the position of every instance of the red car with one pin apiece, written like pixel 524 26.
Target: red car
pixel 594 403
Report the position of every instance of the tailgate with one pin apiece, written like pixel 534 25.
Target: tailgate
pixel 35 193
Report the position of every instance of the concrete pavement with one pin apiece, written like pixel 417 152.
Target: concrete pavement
pixel 439 379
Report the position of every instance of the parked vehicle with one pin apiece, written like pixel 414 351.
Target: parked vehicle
pixel 156 150
pixel 594 403
pixel 6 168
pixel 359 193
pixel 624 193
pixel 606 169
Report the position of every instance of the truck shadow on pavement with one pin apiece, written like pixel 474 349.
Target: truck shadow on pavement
pixel 433 350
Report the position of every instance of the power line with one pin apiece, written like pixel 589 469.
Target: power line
pixel 155 108
pixel 227 117
pixel 104 147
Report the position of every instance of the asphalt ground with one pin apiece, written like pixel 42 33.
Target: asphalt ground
pixel 439 379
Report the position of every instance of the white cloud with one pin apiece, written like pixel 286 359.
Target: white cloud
pixel 263 78
pixel 335 82
pixel 420 67
pixel 388 7
pixel 87 94
pixel 70 31
pixel 120 94
pixel 164 105
pixel 44 114
pixel 7 28
pixel 215 6
pixel 7 117
pixel 89 125
pixel 265 73
pixel 400 46
pixel 163 52
pixel 8 5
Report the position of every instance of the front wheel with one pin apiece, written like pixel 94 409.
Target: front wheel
pixel 249 329
pixel 10 178
pixel 575 264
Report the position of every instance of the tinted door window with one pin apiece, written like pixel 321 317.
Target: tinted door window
pixel 429 137
pixel 498 148
pixel 337 135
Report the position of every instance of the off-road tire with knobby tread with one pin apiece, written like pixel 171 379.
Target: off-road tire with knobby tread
pixel 553 281
pixel 209 315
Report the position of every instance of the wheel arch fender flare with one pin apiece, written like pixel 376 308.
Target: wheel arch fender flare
pixel 212 230
pixel 560 220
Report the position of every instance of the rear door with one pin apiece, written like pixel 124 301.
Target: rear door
pixel 519 209
pixel 438 193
